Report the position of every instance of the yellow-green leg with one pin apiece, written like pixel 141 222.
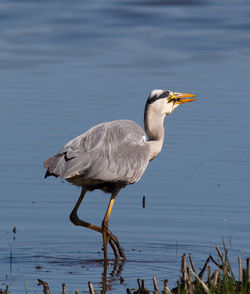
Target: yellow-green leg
pixel 78 222
pixel 105 225
pixel 108 236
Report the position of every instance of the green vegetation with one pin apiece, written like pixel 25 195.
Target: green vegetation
pixel 221 281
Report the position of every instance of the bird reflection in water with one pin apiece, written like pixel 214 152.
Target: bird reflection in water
pixel 116 274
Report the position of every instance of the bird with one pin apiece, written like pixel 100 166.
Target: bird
pixel 112 155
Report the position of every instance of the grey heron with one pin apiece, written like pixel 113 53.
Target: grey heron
pixel 113 154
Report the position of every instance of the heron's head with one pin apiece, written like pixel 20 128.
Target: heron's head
pixel 165 102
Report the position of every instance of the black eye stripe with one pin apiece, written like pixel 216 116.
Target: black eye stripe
pixel 155 97
pixel 164 94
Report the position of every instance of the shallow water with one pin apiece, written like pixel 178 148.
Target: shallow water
pixel 66 66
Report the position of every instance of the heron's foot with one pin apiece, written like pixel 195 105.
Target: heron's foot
pixel 110 237
pixel 115 245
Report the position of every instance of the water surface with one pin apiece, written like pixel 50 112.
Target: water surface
pixel 66 66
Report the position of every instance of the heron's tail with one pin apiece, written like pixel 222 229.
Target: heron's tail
pixel 51 164
pixel 49 174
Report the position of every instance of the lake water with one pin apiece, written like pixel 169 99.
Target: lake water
pixel 68 65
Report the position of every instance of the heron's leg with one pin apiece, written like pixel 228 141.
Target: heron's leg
pixel 107 234
pixel 75 219
pixel 78 222
pixel 105 224
pixel 112 239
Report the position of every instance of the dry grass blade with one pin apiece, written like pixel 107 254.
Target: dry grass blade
pixel 220 254
pixel 190 278
pixel 184 267
pixel 190 287
pixel 91 288
pixel 208 273
pixel 139 282
pixel 191 263
pixel 204 286
pixel 240 269
pixel 216 274
pixel 156 289
pixel 143 287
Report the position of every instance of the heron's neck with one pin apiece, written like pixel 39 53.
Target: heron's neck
pixel 153 123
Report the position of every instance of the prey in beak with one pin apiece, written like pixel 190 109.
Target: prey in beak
pixel 180 98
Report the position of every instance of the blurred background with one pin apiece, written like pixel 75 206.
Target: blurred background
pixel 68 65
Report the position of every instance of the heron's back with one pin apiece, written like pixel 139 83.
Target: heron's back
pixel 111 152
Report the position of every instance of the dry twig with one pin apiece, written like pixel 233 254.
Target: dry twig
pixel 45 286
pixel 63 289
pixel 204 268
pixel 215 262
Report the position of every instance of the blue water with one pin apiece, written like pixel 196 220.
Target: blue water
pixel 68 65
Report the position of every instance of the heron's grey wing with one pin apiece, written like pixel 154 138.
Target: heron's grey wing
pixel 124 153
pixel 73 157
pixel 113 152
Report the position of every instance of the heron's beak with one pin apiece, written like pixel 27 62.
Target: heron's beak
pixel 183 98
